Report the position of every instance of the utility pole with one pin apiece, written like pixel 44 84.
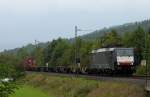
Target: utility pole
pixel 146 59
pixel 36 43
pixel 77 57
pixel 36 51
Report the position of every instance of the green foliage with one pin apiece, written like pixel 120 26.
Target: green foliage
pixel 127 39
pixel 10 65
pixel 148 50
pixel 22 53
pixel 85 53
pixel 61 86
pixel 57 52
pixel 68 56
pixel 140 70
pixel 111 38
pixel 139 41
pixel 7 88
pixel 61 52
pixel 9 69
pixel 38 55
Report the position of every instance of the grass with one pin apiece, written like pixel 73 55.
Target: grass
pixel 60 86
pixel 27 91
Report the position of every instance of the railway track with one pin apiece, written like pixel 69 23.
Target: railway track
pixel 140 77
pixel 118 78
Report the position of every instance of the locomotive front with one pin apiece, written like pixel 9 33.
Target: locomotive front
pixel 125 58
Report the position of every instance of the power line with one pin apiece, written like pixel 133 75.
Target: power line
pixel 77 58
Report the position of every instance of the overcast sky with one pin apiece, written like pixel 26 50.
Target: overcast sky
pixel 23 21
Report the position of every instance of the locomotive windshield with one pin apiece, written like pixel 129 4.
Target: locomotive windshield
pixel 124 52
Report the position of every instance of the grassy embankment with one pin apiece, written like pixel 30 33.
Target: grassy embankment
pixel 60 86
pixel 27 91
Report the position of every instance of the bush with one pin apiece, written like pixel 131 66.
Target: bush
pixel 141 70
pixel 7 88
pixel 8 77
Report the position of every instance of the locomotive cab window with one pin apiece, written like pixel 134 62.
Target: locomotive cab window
pixel 124 52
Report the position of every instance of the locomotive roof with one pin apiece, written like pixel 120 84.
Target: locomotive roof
pixel 106 49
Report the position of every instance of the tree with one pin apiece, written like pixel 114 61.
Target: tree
pixel 48 52
pixel 9 73
pixel 98 42
pixel 111 39
pixel 138 41
pixel 38 55
pixel 127 39
pixel 85 51
pixel 148 50
pixel 55 51
pixel 22 53
pixel 68 56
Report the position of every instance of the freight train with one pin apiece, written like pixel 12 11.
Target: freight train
pixel 104 60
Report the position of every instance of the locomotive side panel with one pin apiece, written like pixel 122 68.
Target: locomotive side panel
pixel 103 60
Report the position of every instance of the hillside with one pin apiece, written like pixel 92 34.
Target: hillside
pixel 121 29
pixel 29 48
